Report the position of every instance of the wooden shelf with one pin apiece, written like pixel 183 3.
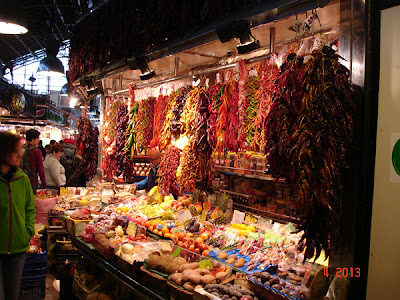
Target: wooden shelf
pixel 231 172
pixel 264 213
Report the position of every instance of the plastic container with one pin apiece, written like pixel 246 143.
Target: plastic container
pixel 247 162
pixel 231 159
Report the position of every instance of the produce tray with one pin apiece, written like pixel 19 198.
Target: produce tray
pixel 178 292
pixel 267 292
pixel 35 261
pixel 151 279
pixel 75 227
pixel 132 270
pixel 33 293
pixel 107 252
pixel 269 268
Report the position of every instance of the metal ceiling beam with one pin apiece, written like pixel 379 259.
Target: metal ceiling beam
pixel 23 44
pixel 54 24
pixel 61 15
pixel 92 10
pixel 9 45
pixel 40 45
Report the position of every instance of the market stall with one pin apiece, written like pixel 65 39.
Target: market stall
pixel 253 147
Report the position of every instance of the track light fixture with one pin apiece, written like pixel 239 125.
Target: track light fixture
pixel 12 17
pixel 142 64
pixel 51 65
pixel 241 30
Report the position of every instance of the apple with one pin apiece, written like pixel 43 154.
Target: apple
pixel 203 247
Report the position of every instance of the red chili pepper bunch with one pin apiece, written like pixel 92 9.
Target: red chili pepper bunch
pixel 201 146
pixel 281 121
pixel 88 140
pixel 144 123
pixel 215 103
pixel 269 73
pixel 108 137
pixel 231 93
pixel 122 158
pixel 168 167
pixel 160 113
pixel 322 141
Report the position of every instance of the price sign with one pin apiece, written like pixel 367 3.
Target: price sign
pixel 177 252
pixel 132 228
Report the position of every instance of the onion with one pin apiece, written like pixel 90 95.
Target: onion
pixel 127 249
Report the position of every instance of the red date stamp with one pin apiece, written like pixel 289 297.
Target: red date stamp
pixel 340 272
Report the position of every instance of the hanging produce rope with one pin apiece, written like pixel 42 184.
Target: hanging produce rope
pixel 252 99
pixel 323 139
pixel 108 137
pixel 269 75
pixel 124 164
pixel 215 103
pixel 177 111
pixel 88 141
pixel 165 137
pixel 187 170
pixel 160 112
pixel 201 147
pixel 231 93
pixel 189 113
pixel 168 167
pixel 144 124
pixel 281 121
pixel 130 144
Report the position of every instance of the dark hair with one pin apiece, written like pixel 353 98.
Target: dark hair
pixel 48 147
pixel 41 142
pixel 52 142
pixel 32 134
pixel 9 142
pixel 57 148
pixel 61 142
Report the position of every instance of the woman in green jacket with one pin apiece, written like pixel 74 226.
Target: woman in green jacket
pixel 17 216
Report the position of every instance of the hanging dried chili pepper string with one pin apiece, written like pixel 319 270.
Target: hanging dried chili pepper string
pixel 232 95
pixel 168 167
pixel 160 112
pixel 253 98
pixel 323 140
pixel 165 137
pixel 215 103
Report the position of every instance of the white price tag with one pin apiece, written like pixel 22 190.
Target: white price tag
pixel 184 216
pixel 238 217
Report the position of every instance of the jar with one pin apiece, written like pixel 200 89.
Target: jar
pixel 231 159
pixel 247 161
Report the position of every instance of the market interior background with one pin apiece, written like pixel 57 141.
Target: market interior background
pixel 108 55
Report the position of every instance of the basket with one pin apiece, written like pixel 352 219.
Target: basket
pixel 153 280
pixel 75 227
pixel 33 293
pixel 35 261
pixel 177 292
pixel 264 292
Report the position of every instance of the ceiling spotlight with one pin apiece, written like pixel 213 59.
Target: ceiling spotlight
pixel 142 64
pixel 241 30
pixel 51 65
pixel 12 17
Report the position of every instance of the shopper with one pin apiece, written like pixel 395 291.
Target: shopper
pixel 55 172
pixel 150 180
pixel 47 148
pixel 41 148
pixel 32 160
pixel 17 222
pixel 53 142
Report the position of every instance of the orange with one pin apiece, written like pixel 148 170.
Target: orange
pixel 165 230
pixel 147 224
pixel 205 253
pixel 155 231
pixel 167 234
pixel 189 234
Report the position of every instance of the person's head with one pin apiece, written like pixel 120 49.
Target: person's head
pixel 47 148
pixel 40 143
pixel 32 137
pixel 57 150
pixel 53 142
pixel 61 142
pixel 154 156
pixel 10 151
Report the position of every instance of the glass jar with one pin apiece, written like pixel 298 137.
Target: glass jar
pixel 231 159
pixel 247 162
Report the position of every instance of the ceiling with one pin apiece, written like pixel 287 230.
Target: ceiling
pixel 47 19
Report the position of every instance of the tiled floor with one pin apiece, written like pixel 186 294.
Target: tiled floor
pixel 51 292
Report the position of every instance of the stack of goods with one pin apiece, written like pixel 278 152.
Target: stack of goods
pixel 33 282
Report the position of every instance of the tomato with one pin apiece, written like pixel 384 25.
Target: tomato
pixel 180 243
pixel 184 245
pixel 191 248
pixel 203 247
pixel 205 253
pixel 197 250
pixel 181 236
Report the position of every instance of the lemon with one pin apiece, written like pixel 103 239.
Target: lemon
pixel 250 228
pixel 242 232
